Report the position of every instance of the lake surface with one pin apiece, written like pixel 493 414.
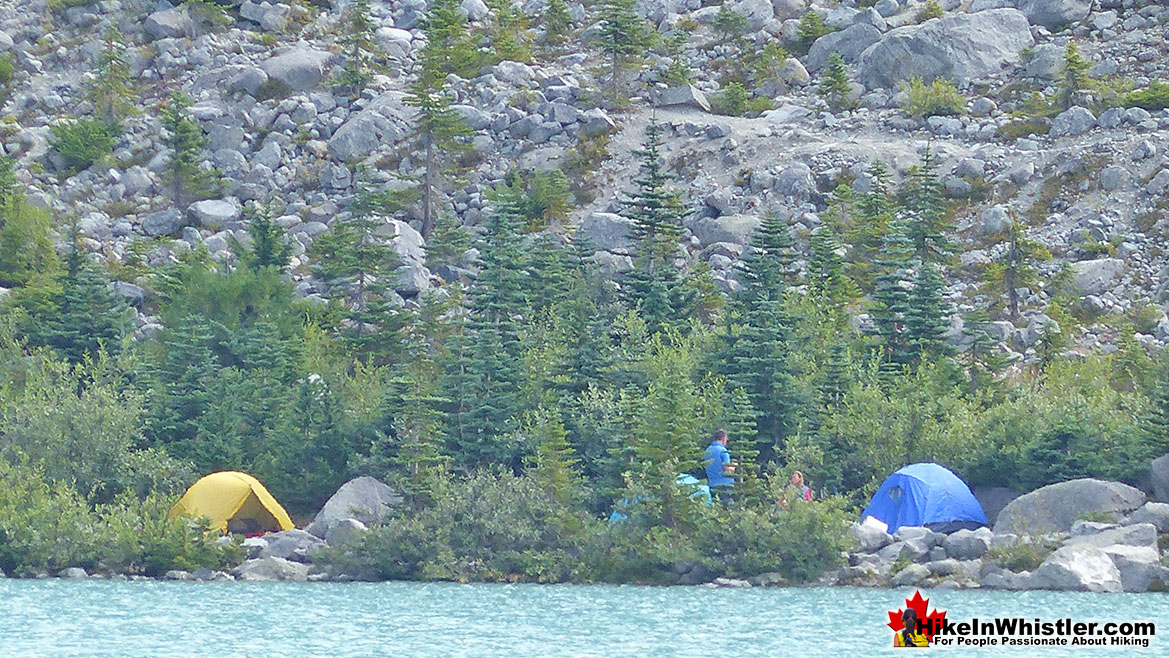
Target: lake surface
pixel 107 618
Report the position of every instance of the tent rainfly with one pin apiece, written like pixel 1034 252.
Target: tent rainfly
pixel 231 498
pixel 925 495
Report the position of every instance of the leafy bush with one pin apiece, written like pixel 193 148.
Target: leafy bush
pixel 1025 555
pixel 1020 128
pixel 929 11
pixel 812 27
pixel 83 142
pixel 26 245
pixel 939 98
pixel 1154 97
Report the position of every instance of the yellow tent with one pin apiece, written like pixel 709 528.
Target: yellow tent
pixel 232 496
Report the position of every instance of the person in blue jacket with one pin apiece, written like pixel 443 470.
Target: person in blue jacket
pixel 719 467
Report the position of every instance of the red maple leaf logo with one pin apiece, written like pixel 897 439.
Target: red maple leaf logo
pixel 930 622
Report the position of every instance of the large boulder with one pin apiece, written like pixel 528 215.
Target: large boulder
pixel 385 120
pixel 849 43
pixel 968 544
pixel 1078 568
pixel 1096 277
pixel 1159 476
pixel 1138 534
pixel 295 545
pixel 684 96
pixel 300 68
pixel 1155 513
pixel 1055 14
pixel 1139 566
pixel 1073 121
pixel 163 222
pixel 735 229
pixel 215 213
pixel 365 498
pixel 345 531
pixel 1056 507
pixel 169 24
pixel 964 47
pixel 607 231
pixel 271 569
pixel 869 538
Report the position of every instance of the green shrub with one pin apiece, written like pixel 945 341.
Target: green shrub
pixel 26 245
pixel 83 142
pixel 1026 555
pixel 929 11
pixel 812 27
pixel 1154 97
pixel 1023 128
pixel 731 101
pixel 940 98
pixel 7 70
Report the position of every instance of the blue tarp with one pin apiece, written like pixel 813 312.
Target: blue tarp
pixel 925 495
pixel 698 491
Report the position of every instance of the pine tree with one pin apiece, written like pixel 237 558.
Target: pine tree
pixel 88 317
pixel 875 209
pixel 439 132
pixel 655 285
pixel 448 242
pixel 450 45
pixel 485 375
pixel 925 213
pixel 270 248
pixel 185 140
pixel 557 23
pixel 554 464
pixel 623 35
pixel 181 384
pixel 359 47
pixel 835 379
pixel 983 361
pixel 1154 423
pixel 1075 74
pixel 359 267
pixel 891 294
pixel 835 86
pixel 926 315
pixel 509 32
pixel 1015 268
pixel 826 268
pixel 110 87
pixel 729 24
pixel 755 338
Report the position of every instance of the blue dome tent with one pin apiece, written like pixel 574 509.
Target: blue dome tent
pixel 925 495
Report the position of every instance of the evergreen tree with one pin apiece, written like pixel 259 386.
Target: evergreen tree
pixel 623 36
pixel 924 213
pixel 826 268
pixel 87 317
pixel 360 269
pixel 448 242
pixel 1075 74
pixel 655 285
pixel 729 24
pixel 359 47
pixel 110 87
pixel 983 361
pixel 1015 268
pixel 891 294
pixel 439 132
pixel 270 247
pixel 181 383
pixel 755 338
pixel 450 45
pixel 835 87
pixel 926 315
pixel 1154 423
pixel 874 210
pixel 509 32
pixel 555 464
pixel 185 140
pixel 557 23
pixel 834 382
pixel 485 374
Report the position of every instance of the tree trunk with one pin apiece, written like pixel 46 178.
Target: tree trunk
pixel 428 189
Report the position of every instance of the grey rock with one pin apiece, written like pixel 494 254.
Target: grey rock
pixel 1046 61
pixel 607 232
pixel 1095 277
pixel 730 582
pixel 911 575
pixel 132 293
pixel 905 533
pixel 964 47
pixel 249 80
pixel 1055 14
pixel 1056 507
pixel 736 229
pixel 413 278
pixel 1138 534
pixel 163 222
pixel 1159 478
pixel 271 569
pixel 1113 178
pixel 345 531
pixel 788 9
pixel 796 181
pixel 794 73
pixel 474 10
pixel 255 546
pixel 869 538
pixel 597 122
pixel 385 120
pixel 179 574
pixel 215 213
pixel 73 573
pixel 301 68
pixel 1159 184
pixel 1139 566
pixel 1078 568
pixel 968 544
pixel 169 24
pixel 947 567
pixel 684 96
pixel 474 117
pixel 293 545
pixel 887 8
pixel 994 499
pixel 1110 118
pixel 995 220
pixel 849 43
pixel 1074 121
pixel 364 498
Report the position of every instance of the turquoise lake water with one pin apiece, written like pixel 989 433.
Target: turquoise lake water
pixel 106 618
